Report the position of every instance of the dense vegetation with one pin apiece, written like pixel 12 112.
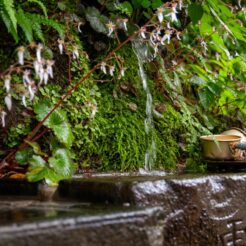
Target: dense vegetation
pixel 193 53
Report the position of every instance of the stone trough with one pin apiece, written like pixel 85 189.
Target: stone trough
pixel 128 210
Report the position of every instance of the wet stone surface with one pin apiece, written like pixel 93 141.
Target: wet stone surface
pixel 153 210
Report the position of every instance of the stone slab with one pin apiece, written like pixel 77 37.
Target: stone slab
pixel 133 227
pixel 185 210
pixel 204 210
pixel 12 187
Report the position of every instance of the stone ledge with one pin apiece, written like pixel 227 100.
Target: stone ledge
pixel 137 227
pixel 205 210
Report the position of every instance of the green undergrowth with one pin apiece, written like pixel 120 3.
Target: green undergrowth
pixel 115 138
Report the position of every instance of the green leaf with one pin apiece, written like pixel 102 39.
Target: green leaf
pixel 25 24
pixel 57 121
pixel 37 161
pixel 206 98
pixel 23 156
pixel 10 10
pixel 38 31
pixel 9 25
pixel 206 25
pixel 145 3
pixel 125 8
pixel 156 4
pixel 36 148
pixel 41 5
pixel 62 6
pixel 96 19
pixel 195 12
pixel 136 3
pixel 42 20
pixel 36 174
pixel 197 80
pixel 61 163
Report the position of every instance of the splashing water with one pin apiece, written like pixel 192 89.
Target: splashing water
pixel 143 56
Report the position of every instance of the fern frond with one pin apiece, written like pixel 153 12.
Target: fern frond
pixel 48 22
pixel 8 6
pixel 9 25
pixel 25 24
pixel 37 30
pixel 41 5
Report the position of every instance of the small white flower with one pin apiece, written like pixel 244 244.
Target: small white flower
pixel 122 71
pixel 46 76
pixel 49 68
pixel 32 89
pixel 24 101
pixel 31 92
pixel 103 67
pixel 159 14
pixel 25 77
pixel 122 23
pixel 7 81
pixel 168 25
pixel 60 45
pixel 20 54
pixel 155 49
pixel 111 27
pixel 38 52
pixel 174 63
pixel 41 75
pixel 158 30
pixel 8 102
pixel 142 32
pixel 178 35
pixel 79 25
pixel 93 110
pixel 217 56
pixel 75 52
pixel 204 45
pixel 111 70
pixel 167 37
pixel 180 4
pixel 173 13
pixel 3 116
pixel 152 38
pixel 36 66
pixel 239 4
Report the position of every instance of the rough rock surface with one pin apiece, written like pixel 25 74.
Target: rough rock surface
pixel 184 210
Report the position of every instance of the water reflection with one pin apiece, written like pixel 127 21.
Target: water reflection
pixel 37 211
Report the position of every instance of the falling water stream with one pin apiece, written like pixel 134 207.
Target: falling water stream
pixel 143 56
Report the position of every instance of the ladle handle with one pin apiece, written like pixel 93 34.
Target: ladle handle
pixel 241 146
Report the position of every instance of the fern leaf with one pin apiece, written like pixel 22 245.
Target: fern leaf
pixel 9 25
pixel 48 22
pixel 1 5
pixel 25 24
pixel 41 5
pixel 38 31
pixel 36 26
pixel 10 11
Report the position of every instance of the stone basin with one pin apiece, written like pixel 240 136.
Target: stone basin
pixel 131 210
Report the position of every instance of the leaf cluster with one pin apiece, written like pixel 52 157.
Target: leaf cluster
pixel 31 24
